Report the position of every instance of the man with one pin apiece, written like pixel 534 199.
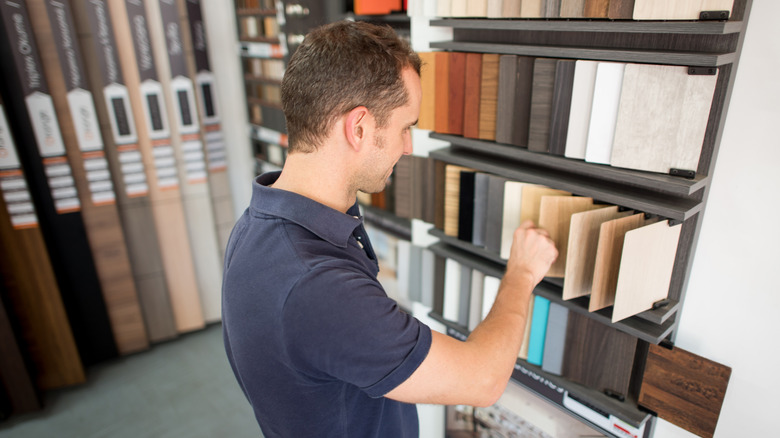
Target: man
pixel 315 344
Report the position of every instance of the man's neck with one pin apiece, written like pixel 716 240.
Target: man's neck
pixel 319 178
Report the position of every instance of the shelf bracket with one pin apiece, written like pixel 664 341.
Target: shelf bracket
pixel 714 15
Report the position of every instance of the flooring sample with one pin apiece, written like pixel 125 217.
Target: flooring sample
pixel 452 290
pixel 581 104
pixel 555 214
pixel 457 88
pixel 439 278
pixel 523 353
pixel 541 104
pixel 154 140
pixel 452 199
pixel 511 9
pixel 555 339
pixel 572 8
pixel 472 93
pixel 583 244
pixel 428 270
pixel 598 356
pixel 495 213
pixel 481 193
pixel 466 206
pixel 607 263
pixel 507 83
pixel 415 273
pixel 603 116
pixel 428 83
pixel 206 91
pixel 30 109
pixel 402 175
pixel 476 297
pixel 440 194
pixel 458 8
pixel 662 118
pixel 684 389
pixel 538 330
pixel 31 292
pixel 561 105
pixel 645 268
pixel 16 381
pixel 489 293
pixel 552 8
pixel 464 296
pixel 620 9
pixel 532 201
pixel 494 8
pixel 596 8
pixel 531 9
pixel 476 8
pixel 512 213
pixel 442 93
pixel 677 10
pixel 128 173
pixel 443 8
pixel 516 93
pixel 488 96
pixel 73 102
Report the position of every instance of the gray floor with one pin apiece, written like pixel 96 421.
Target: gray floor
pixel 180 388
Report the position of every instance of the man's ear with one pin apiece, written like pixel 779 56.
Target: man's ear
pixel 356 126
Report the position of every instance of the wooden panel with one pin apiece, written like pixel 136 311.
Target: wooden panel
pixel 440 194
pixel 532 201
pixel 457 88
pixel 552 8
pixel 402 175
pixel 603 116
pixel 555 339
pixel 465 295
pixel 15 376
pixel 581 104
pixel 458 8
pixel 466 206
pixel 507 84
pixel 582 247
pixel 476 8
pixel 608 253
pixel 596 8
pixel 127 167
pixel 428 82
pixel 511 9
pixel 489 293
pixel 541 104
pixel 488 97
pixel 158 155
pixel 516 95
pixel 442 92
pixel 555 216
pixel 452 290
pixel 452 199
pixel 677 9
pixel 472 92
pixel 572 8
pixel 561 105
pixel 443 8
pixel 476 296
pixel 620 9
pixel 662 118
pixel 481 196
pixel 495 213
pixel 684 389
pixel 523 353
pixel 598 356
pixel 511 214
pixel 645 268
pixel 494 8
pixel 531 9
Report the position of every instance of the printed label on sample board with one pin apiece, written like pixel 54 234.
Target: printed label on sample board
pixel 216 155
pixel 601 419
pixel 12 183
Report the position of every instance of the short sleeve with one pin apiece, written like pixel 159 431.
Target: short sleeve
pixel 340 324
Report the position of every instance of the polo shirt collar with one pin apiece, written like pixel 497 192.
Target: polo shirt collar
pixel 328 224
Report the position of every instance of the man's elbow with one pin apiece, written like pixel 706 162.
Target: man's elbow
pixel 492 389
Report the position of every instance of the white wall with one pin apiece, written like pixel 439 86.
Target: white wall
pixel 732 308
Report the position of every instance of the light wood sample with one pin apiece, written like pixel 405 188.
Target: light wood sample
pixel 582 247
pixel 596 8
pixel 428 83
pixel 531 8
pixel 608 253
pixel 511 9
pixel 488 96
pixel 555 216
pixel 572 8
pixel 452 198
pixel 677 9
pixel 603 116
pixel 581 104
pixel 532 201
pixel 662 118
pixel 512 212
pixel 645 268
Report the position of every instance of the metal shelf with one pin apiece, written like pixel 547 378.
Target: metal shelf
pixel 586 25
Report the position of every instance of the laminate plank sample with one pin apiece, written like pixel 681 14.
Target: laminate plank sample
pixel 596 8
pixel 402 175
pixel 662 118
pixel 128 172
pixel 43 156
pixel 512 212
pixel 645 268
pixel 148 105
pixel 481 194
pixel 442 93
pixel 583 244
pixel 684 389
pixel 552 8
pixel 16 379
pixel 511 9
pixel 555 216
pixel 458 8
pixel 477 8
pixel 440 194
pixel 465 295
pixel 427 279
pixel 472 91
pixel 488 97
pixel 443 8
pixel 428 83
pixel 621 9
pixel 466 206
pixel 415 273
pixel 572 8
pixel 532 201
pixel 523 353
pixel 457 88
pixel 515 123
pixel 54 29
pixel 538 330
pixel 541 104
pixel 452 290
pixel 608 253
pixel 495 213
pixel 531 9
pixel 677 10
pixel 561 105
pixel 507 83
pixel 489 293
pixel 555 339
pixel 581 104
pixel 452 199
pixel 603 116
pixel 598 356
pixel 476 297
pixel 494 8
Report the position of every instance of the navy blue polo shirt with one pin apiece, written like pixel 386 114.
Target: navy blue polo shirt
pixel 313 340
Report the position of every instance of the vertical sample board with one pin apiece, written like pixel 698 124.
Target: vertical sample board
pixel 580 108
pixel 428 83
pixel 120 137
pixel 472 93
pixel 171 62
pixel 73 102
pixel 488 96
pixel 541 104
pixel 603 116
pixel 555 214
pixel 30 108
pixel 154 139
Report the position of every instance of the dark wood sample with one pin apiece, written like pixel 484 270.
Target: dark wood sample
pixel 41 150
pixel 402 175
pixel 507 84
pixel 495 212
pixel 466 206
pixel 561 105
pixel 620 9
pixel 128 171
pixel 488 97
pixel 481 194
pixel 598 356
pixel 541 104
pixel 472 92
pixel 457 88
pixel 684 389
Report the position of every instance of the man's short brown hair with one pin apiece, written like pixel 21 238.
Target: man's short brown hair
pixel 337 68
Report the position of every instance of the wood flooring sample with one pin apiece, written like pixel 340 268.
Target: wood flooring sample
pixel 606 100
pixel 684 389
pixel 510 220
pixel 561 106
pixel 511 9
pixel 452 290
pixel 488 97
pixel 581 104
pixel 507 83
pixel 620 9
pixel 555 339
pixel 608 253
pixel 514 99
pixel 457 87
pixel 581 252
pixel 495 213
pixel 555 216
pixel 645 268
pixel 472 91
pixel 532 200
pixel 452 198
pixel 442 93
pixel 662 118
pixel 572 8
pixel 494 8
pixel 531 9
pixel 677 9
pixel 596 8
pixel 428 82
pixel 552 8
pixel 541 104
